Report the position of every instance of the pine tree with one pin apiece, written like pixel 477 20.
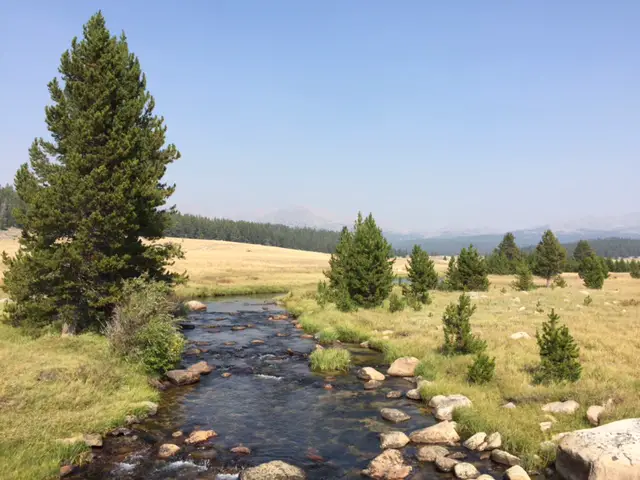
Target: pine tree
pixel 482 370
pixel 338 263
pixel 93 192
pixel 593 271
pixel 524 279
pixel 509 249
pixel 550 256
pixel 582 251
pixel 422 275
pixel 471 271
pixel 458 339
pixel 499 264
pixel 559 353
pixel 451 279
pixel 634 269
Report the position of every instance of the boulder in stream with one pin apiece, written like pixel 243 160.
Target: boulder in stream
pixel 168 450
pixel 394 415
pixel 443 432
pixel 429 453
pixel 403 367
pixel 182 377
pixel 445 405
pixel 199 436
pixel 276 470
pixel 393 440
pixel 201 368
pixel 465 471
pixel 195 306
pixel 389 465
pixel 370 373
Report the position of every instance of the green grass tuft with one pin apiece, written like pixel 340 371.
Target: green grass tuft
pixel 330 360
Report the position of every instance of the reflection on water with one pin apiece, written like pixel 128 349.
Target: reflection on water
pixel 271 403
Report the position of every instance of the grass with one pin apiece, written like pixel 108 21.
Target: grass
pixel 330 360
pixel 82 389
pixel 607 331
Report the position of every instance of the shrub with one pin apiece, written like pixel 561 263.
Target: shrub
pixel 587 300
pixel 593 271
pixel 524 278
pixel 330 360
pixel 413 302
pixel 539 308
pixel 396 303
pixel 558 353
pixel 482 370
pixel 323 294
pixel 458 339
pixel 142 327
pixel 559 282
pixel 503 290
pixel 343 300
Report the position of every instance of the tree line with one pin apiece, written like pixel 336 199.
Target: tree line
pixel 9 201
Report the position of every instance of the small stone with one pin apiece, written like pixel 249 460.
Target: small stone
pixel 504 458
pixel 257 342
pixel 492 442
pixel 120 431
pixel 369 373
pixel 195 306
pixel 429 453
pixel 131 420
pixel 168 450
pixel 238 328
pixel 457 455
pixel 226 375
pixel 92 439
pixel 281 334
pixel 520 335
pixel 516 473
pixel 474 441
pixel 546 426
pixel 328 386
pixel 364 344
pixel 403 367
pixel 465 471
pixel 485 456
pixel 394 394
pixel 594 412
pixel 393 440
pixel 241 450
pixel 306 336
pixel 509 405
pixel 414 394
pixel 66 470
pixel 568 407
pixel 199 436
pixel 177 434
pixel 522 309
pixel 446 464
pixel 394 415
pixel 372 384
pixel 229 344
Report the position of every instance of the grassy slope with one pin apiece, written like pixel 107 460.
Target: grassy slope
pixel 607 331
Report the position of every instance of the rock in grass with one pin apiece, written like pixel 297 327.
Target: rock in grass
pixel 474 441
pixel 369 373
pixel 150 407
pixel 445 464
pixel 504 458
pixel 594 412
pixel 445 405
pixel 509 406
pixel 388 465
pixel 393 440
pixel 568 407
pixel 443 433
pixel 465 471
pixel 516 473
pixel 394 415
pixel 492 442
pixel 520 336
pixel 168 450
pixel 182 377
pixel 403 367
pixel 601 453
pixel 275 470
pixel 414 394
pixel 429 453
pixel 199 436
pixel 92 439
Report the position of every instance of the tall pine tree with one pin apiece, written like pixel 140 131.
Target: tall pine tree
pixel 470 271
pixel 550 256
pixel 593 271
pixel 582 251
pixel 93 192
pixel 422 275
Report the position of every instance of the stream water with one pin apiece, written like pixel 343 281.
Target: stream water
pixel 271 403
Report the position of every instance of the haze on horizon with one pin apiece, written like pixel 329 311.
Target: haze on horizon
pixel 489 115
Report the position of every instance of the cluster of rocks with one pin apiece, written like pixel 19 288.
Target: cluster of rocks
pixel 190 375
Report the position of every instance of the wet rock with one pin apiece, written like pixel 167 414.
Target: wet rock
pixel 403 367
pixel 504 458
pixel 199 436
pixel 151 408
pixel 516 473
pixel 601 453
pixel 568 407
pixel 485 456
pixel 492 442
pixel 465 471
pixel 157 384
pixel 182 377
pixel 414 394
pixel 201 368
pixel 120 432
pixel 372 385
pixel 364 344
pixel 393 440
pixel 66 470
pixel 485 477
pixel 443 432
pixel 257 342
pixel 394 415
pixel 509 405
pixel 275 470
pixel 369 373
pixel 195 306
pixel 177 434
pixel 226 375
pixel 328 386
pixel 92 439
pixel 394 394
pixel 209 454
pixel 193 351
pixel 281 334
pixel 445 405
pixel 474 441
pixel 520 336
pixel 229 343
pixel 168 450
pixel 445 464
pixel 388 465
pixel 594 412
pixel 241 450
pixel 279 317
pixel 238 328
pixel 457 455
pixel 131 420
pixel 429 453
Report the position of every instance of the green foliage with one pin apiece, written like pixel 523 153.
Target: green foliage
pixel 93 192
pixel 482 370
pixel 524 278
pixel 9 201
pixel 422 275
pixel 330 360
pixel 361 268
pixel 559 354
pixel 142 327
pixel 458 339
pixel 468 272
pixel 396 303
pixel 327 335
pixel 587 300
pixel 559 282
pixel 323 294
pixel 427 369
pixel 583 250
pixel 505 257
pixel 593 271
pixel 550 256
pixel 634 269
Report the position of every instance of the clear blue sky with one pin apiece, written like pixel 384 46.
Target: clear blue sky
pixel 429 114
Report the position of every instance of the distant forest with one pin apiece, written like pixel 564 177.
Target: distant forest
pixel 9 200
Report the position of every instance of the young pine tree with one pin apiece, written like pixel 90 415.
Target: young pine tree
pixel 451 279
pixel 422 275
pixel 582 251
pixel 93 192
pixel 593 271
pixel 524 277
pixel 458 339
pixel 339 262
pixel 471 271
pixel 482 370
pixel 559 354
pixel 634 268
pixel 550 256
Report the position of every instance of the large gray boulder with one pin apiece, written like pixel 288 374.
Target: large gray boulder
pixel 440 433
pixel 394 415
pixel 389 465
pixel 403 367
pixel 393 440
pixel 602 453
pixel 275 470
pixel 445 405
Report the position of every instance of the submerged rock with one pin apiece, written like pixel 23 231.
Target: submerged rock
pixel 393 440
pixel 414 394
pixel 445 464
pixel 241 450
pixel 372 384
pixel 429 453
pixel 443 432
pixel 601 453
pixel 167 450
pixel 403 367
pixel 276 470
pixel 394 415
pixel 182 377
pixel 394 394
pixel 389 465
pixel 369 373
